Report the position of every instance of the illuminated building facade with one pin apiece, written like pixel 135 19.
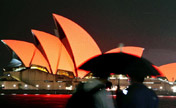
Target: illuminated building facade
pixel 52 62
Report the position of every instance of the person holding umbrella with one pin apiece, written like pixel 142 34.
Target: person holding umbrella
pixel 92 94
pixel 137 95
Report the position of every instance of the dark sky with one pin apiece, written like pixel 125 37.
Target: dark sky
pixel 146 23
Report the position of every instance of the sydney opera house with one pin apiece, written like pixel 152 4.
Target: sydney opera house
pixel 52 62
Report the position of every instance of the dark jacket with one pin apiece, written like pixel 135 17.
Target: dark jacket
pixel 91 95
pixel 138 96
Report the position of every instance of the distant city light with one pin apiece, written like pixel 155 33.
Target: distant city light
pixel 59 81
pixel 37 86
pixel 48 86
pixel 69 88
pixel 149 87
pixel 171 83
pixel 2 94
pixel 14 85
pixel 25 85
pixel 148 82
pixel 108 89
pixel 173 88
pixel 125 92
pixel 161 87
pixel 113 88
pixel 3 85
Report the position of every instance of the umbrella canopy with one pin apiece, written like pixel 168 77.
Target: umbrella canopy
pixel 119 63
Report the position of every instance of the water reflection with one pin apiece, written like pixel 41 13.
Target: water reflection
pixel 58 101
pixel 34 101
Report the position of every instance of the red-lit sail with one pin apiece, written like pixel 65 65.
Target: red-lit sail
pixel 78 42
pixel 40 60
pixel 55 52
pixel 65 62
pixel 138 51
pixel 28 53
pixel 24 50
pixel 169 71
pixel 82 73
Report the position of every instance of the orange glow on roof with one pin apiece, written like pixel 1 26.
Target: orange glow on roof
pixel 24 50
pixel 28 53
pixel 56 53
pixel 39 59
pixel 138 51
pixel 82 73
pixel 65 62
pixel 81 43
pixel 169 70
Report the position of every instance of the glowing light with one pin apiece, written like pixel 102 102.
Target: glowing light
pixel 149 87
pixel 25 85
pixel 69 88
pixel 161 87
pixel 122 77
pixel 39 68
pixel 2 93
pixel 171 83
pixel 48 86
pixel 114 88
pixel 148 82
pixel 125 92
pixel 3 85
pixel 108 89
pixel 14 85
pixel 37 85
pixel 174 88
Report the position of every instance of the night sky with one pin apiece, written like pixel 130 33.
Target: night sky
pixel 150 24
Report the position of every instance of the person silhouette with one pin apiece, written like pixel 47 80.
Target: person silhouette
pixel 92 94
pixel 137 95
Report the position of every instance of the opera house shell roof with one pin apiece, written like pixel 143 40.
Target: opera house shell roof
pixel 169 71
pixel 73 47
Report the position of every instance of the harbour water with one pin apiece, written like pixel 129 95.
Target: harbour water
pixel 59 101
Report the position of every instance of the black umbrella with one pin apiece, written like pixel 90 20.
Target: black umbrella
pixel 119 63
